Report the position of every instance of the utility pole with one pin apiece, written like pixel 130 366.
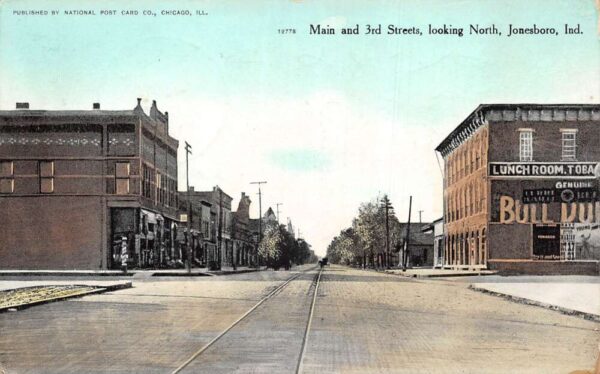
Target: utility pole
pixel 220 236
pixel 387 205
pixel 188 151
pixel 420 211
pixel 278 204
pixel 407 239
pixel 260 232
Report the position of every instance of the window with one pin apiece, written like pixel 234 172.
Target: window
pixel 158 194
pixel 569 144
pixel 7 181
pixel 122 172
pixel 146 182
pixel 46 169
pixel 525 144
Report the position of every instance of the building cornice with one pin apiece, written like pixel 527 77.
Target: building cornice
pixel 486 113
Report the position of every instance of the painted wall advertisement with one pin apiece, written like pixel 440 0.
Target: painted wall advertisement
pixel 564 215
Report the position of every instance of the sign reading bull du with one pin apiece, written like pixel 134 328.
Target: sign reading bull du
pixel 514 211
pixel 543 169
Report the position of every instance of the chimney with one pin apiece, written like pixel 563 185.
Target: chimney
pixel 139 99
pixel 191 188
pixel 22 105
pixel 96 106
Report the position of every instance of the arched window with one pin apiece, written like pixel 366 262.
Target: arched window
pixel 464 254
pixel 483 254
pixel 483 187
pixel 460 203
pixel 477 199
pixel 477 249
pixel 473 157
pixel 470 200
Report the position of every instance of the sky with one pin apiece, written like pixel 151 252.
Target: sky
pixel 329 121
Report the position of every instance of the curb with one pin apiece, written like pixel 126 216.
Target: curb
pixel 63 274
pixel 130 273
pixel 182 274
pixel 525 301
pixel 98 290
pixel 474 274
pixel 231 272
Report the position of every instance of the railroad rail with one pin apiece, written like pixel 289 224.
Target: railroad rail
pixel 299 366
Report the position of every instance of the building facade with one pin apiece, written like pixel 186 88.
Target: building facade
pixel 437 229
pixel 244 245
pixel 521 189
pixel 219 244
pixel 419 249
pixel 202 228
pixel 75 184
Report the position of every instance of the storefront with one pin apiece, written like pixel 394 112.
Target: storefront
pixel 552 213
pixel 150 238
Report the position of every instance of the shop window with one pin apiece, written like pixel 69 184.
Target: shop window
pixel 46 169
pixel 7 181
pixel 569 144
pixel 122 172
pixel 525 145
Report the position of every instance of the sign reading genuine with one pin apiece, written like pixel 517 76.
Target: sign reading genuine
pixel 542 169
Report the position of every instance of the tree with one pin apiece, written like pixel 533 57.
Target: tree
pixel 270 246
pixel 280 249
pixel 365 242
pixel 344 248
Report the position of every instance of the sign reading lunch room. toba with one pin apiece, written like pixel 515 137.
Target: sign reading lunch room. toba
pixel 542 169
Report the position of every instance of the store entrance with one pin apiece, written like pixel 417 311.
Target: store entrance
pixel 546 242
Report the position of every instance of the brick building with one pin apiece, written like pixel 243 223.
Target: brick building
pixel 219 244
pixel 74 183
pixel 245 248
pixel 521 189
pixel 202 227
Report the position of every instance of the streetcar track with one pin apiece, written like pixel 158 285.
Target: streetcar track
pixel 271 294
pixel 299 368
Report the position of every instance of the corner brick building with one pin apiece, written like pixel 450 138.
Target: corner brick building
pixel 73 184
pixel 521 189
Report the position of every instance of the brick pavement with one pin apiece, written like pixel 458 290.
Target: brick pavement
pixel 367 322
pixel 150 328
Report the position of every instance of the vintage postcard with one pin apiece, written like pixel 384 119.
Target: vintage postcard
pixel 203 186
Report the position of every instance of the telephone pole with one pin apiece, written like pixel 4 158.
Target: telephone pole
pixel 407 239
pixel 387 205
pixel 188 151
pixel 260 232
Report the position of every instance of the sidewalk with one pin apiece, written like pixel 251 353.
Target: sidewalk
pixel 435 273
pixel 19 294
pixel 581 298
pixel 142 273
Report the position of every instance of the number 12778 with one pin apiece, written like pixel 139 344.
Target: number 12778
pixel 286 31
